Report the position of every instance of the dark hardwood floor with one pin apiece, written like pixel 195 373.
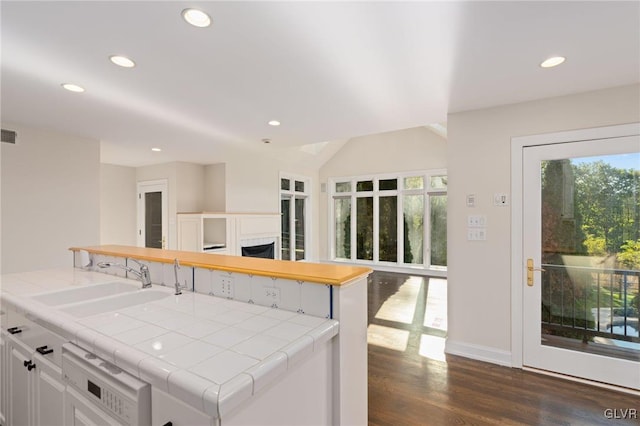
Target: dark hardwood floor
pixel 416 384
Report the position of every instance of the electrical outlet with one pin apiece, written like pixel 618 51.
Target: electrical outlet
pixel 272 294
pixel 476 234
pixel 226 287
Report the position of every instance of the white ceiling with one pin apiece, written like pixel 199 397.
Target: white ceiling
pixel 328 71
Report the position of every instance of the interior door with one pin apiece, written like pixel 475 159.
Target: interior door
pixel 581 249
pixel 152 214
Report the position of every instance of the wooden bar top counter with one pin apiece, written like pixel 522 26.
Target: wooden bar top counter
pixel 336 275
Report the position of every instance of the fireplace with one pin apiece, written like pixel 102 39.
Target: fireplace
pixel 266 251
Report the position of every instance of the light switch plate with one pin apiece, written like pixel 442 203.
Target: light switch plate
pixel 476 220
pixel 471 200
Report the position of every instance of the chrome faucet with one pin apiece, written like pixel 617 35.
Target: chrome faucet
pixel 176 266
pixel 143 275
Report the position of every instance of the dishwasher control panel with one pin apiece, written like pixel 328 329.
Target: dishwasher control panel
pixel 115 391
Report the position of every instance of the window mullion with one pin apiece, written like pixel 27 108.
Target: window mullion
pixel 354 228
pixel 292 228
pixel 376 226
pixel 400 229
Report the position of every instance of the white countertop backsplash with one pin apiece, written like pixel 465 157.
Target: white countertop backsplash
pixel 210 352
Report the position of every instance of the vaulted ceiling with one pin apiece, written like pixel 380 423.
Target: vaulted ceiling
pixel 328 71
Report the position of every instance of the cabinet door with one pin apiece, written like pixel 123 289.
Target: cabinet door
pixel 81 412
pixel 166 409
pixel 48 389
pixel 19 384
pixel 190 234
pixel 3 379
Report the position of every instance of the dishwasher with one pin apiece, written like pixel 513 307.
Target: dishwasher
pixel 100 393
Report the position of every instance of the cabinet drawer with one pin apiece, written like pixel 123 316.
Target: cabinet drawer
pixel 35 337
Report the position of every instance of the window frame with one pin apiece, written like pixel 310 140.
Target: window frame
pixel 426 191
pixel 293 195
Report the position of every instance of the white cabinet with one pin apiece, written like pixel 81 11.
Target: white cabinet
pixel 227 233
pixel 48 393
pixel 4 394
pixel 20 383
pixel 34 380
pixel 165 409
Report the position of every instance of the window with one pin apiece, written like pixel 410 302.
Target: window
pixel 294 196
pixel 390 219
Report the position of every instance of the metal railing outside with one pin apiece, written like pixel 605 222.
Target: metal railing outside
pixel 584 302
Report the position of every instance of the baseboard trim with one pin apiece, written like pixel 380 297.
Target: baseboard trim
pixel 479 353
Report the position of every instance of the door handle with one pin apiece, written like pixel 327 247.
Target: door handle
pixel 530 270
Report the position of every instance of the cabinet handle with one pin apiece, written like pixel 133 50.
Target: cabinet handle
pixel 168 424
pixel 29 364
pixel 43 350
pixel 14 330
pixel 31 367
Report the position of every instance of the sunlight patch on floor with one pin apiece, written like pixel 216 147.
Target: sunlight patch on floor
pixel 401 306
pixel 432 347
pixel 387 337
pixel 435 310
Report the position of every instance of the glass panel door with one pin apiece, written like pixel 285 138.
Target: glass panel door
pixel 342 226
pixel 285 203
pixel 582 259
pixel 388 229
pixel 438 229
pixel 153 214
pixel 293 224
pixel 364 228
pixel 413 226
pixel 153 219
pixel 300 228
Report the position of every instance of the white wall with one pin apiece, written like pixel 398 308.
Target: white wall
pixel 215 196
pixel 190 187
pixel 479 163
pixel 50 198
pixel 399 151
pixel 253 185
pixel 117 205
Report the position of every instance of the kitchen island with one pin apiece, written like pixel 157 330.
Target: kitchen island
pixel 261 353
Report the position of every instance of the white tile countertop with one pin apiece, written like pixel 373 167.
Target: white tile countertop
pixel 212 353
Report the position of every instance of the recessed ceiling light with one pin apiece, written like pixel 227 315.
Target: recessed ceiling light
pixel 196 17
pixel 73 87
pixel 274 123
pixel 156 149
pixel 552 62
pixel 122 61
